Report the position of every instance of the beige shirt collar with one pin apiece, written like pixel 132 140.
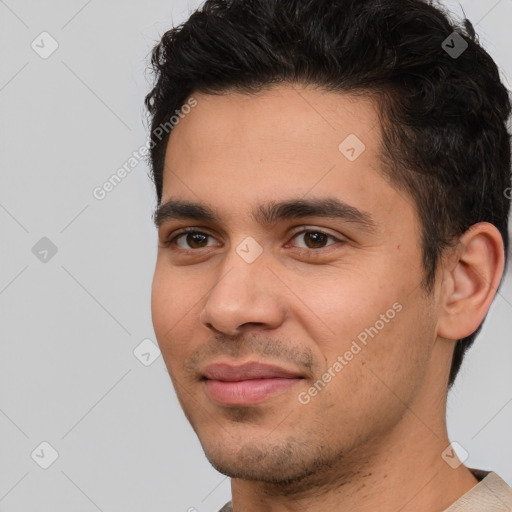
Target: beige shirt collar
pixel 490 494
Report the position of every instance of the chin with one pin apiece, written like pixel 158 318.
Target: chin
pixel 284 465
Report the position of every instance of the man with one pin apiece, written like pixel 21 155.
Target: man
pixel 332 218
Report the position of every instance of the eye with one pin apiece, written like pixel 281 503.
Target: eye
pixel 314 239
pixel 189 239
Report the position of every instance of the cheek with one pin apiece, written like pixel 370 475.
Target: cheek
pixel 351 303
pixel 370 317
pixel 397 354
pixel 169 307
pixel 376 378
pixel 161 310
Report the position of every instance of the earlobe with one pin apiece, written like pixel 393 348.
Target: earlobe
pixel 472 281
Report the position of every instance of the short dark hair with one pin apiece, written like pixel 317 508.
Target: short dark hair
pixel 444 116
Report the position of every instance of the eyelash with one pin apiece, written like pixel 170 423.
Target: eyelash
pixel 186 231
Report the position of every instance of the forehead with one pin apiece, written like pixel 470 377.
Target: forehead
pixel 284 118
pixel 236 150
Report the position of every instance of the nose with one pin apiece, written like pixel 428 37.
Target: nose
pixel 243 296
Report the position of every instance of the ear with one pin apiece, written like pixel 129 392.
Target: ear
pixel 470 280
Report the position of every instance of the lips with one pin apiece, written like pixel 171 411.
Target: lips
pixel 248 371
pixel 247 384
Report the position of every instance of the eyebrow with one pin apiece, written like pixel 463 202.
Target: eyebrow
pixel 269 213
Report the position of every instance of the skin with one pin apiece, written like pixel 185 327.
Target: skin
pixel 372 438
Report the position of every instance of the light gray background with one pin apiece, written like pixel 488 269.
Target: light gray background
pixel 69 326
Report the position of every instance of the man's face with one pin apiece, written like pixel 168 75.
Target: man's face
pixel 301 293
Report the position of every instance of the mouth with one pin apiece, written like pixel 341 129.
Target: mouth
pixel 247 384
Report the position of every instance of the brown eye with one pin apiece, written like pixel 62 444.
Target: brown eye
pixel 196 240
pixel 190 240
pixel 314 239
